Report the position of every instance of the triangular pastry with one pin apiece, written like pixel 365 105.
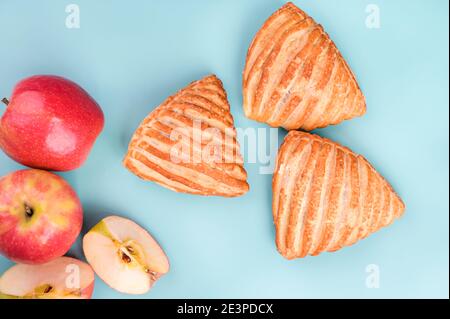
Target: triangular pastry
pixel 188 144
pixel 295 77
pixel 326 197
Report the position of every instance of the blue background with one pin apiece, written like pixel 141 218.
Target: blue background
pixel 131 55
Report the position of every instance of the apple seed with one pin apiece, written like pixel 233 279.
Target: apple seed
pixel 125 257
pixel 48 289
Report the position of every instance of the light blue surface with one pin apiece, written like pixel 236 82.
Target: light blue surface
pixel 131 55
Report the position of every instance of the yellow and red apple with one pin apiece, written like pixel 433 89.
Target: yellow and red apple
pixel 40 216
pixel 61 278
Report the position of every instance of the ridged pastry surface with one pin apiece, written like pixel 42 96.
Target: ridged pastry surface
pixel 295 77
pixel 326 197
pixel 188 144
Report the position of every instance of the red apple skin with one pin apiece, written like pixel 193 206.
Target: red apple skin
pixel 55 224
pixel 50 123
pixel 87 292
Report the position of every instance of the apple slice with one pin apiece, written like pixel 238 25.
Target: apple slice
pixel 62 278
pixel 124 255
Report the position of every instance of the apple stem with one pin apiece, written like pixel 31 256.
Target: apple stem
pixel 5 100
pixel 29 212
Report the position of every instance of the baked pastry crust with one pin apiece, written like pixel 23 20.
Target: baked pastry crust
pixel 295 77
pixel 326 197
pixel 200 117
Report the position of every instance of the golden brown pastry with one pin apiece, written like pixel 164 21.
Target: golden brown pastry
pixel 188 144
pixel 295 77
pixel 326 197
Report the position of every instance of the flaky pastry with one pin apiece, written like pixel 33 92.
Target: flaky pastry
pixel 326 197
pixel 295 77
pixel 188 144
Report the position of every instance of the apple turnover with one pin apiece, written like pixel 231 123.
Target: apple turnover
pixel 295 77
pixel 326 197
pixel 188 144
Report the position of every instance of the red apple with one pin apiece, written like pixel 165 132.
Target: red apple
pixel 62 278
pixel 40 216
pixel 50 123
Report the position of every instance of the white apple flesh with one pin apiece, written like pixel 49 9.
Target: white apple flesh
pixel 124 255
pixel 62 278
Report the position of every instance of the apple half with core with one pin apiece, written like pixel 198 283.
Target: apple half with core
pixel 124 255
pixel 61 278
pixel 40 216
pixel 50 123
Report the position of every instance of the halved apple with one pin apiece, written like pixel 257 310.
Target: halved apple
pixel 124 255
pixel 62 278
